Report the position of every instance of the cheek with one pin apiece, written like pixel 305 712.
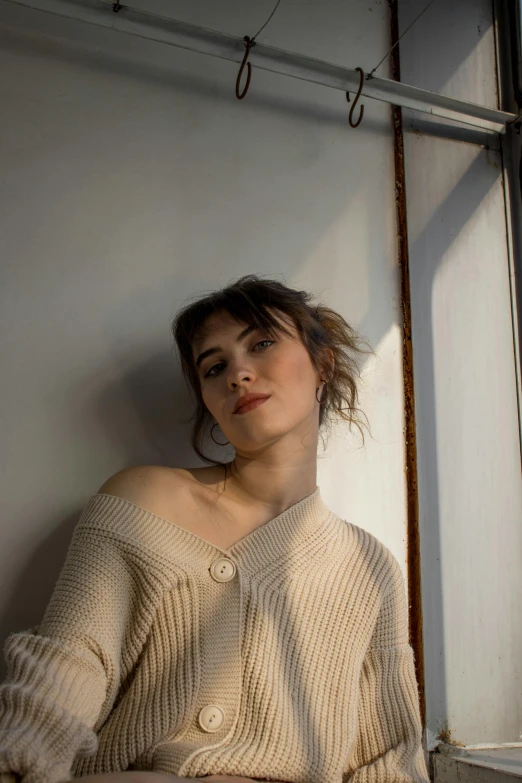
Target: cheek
pixel 294 374
pixel 210 398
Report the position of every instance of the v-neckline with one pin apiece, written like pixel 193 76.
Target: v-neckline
pixel 310 504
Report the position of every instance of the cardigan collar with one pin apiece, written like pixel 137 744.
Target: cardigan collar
pixel 303 524
pixel 283 534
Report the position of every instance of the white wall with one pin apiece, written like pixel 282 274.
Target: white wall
pixel 132 179
pixel 470 491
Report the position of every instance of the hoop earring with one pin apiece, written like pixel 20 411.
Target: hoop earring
pixel 319 401
pixel 212 436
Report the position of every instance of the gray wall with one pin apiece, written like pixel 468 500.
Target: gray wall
pixel 133 179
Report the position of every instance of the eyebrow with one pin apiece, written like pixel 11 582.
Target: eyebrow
pixel 217 348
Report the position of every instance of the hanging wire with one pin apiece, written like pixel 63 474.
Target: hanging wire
pixel 267 21
pixel 370 75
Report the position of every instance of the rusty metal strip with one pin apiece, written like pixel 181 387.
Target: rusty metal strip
pixel 413 537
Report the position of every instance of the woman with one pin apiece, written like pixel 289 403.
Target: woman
pixel 221 623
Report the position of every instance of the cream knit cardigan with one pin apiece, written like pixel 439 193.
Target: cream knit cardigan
pixel 296 637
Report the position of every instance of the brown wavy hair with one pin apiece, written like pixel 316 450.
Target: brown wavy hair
pixel 256 301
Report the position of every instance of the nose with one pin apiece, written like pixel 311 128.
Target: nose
pixel 239 373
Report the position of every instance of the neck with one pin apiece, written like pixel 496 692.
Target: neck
pixel 284 473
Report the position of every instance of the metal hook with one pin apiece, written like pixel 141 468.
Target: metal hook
pixel 354 104
pixel 249 44
pixel 116 7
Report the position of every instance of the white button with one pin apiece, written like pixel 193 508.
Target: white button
pixel 223 569
pixel 211 717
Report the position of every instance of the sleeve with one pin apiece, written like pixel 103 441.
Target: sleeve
pixel 389 740
pixel 63 676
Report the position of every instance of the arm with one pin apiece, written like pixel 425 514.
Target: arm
pixel 63 677
pixel 389 742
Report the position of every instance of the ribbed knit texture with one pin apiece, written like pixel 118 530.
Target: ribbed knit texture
pixel 305 649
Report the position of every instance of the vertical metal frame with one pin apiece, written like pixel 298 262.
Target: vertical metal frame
pixel 412 498
pixel 507 15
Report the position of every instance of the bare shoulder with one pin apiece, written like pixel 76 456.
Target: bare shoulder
pixel 163 490
pixel 139 483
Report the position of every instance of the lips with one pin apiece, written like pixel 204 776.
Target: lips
pixel 247 400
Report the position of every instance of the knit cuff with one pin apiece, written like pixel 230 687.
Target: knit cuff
pixel 48 706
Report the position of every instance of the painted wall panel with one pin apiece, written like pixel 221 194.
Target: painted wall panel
pixel 470 492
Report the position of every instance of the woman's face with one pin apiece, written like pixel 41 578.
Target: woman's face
pixel 241 363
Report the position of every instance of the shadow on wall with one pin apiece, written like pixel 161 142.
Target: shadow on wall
pixel 143 416
pixel 34 586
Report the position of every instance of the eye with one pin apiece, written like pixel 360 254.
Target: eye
pixel 210 374
pixel 263 341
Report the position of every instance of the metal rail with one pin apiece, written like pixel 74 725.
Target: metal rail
pixel 187 36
